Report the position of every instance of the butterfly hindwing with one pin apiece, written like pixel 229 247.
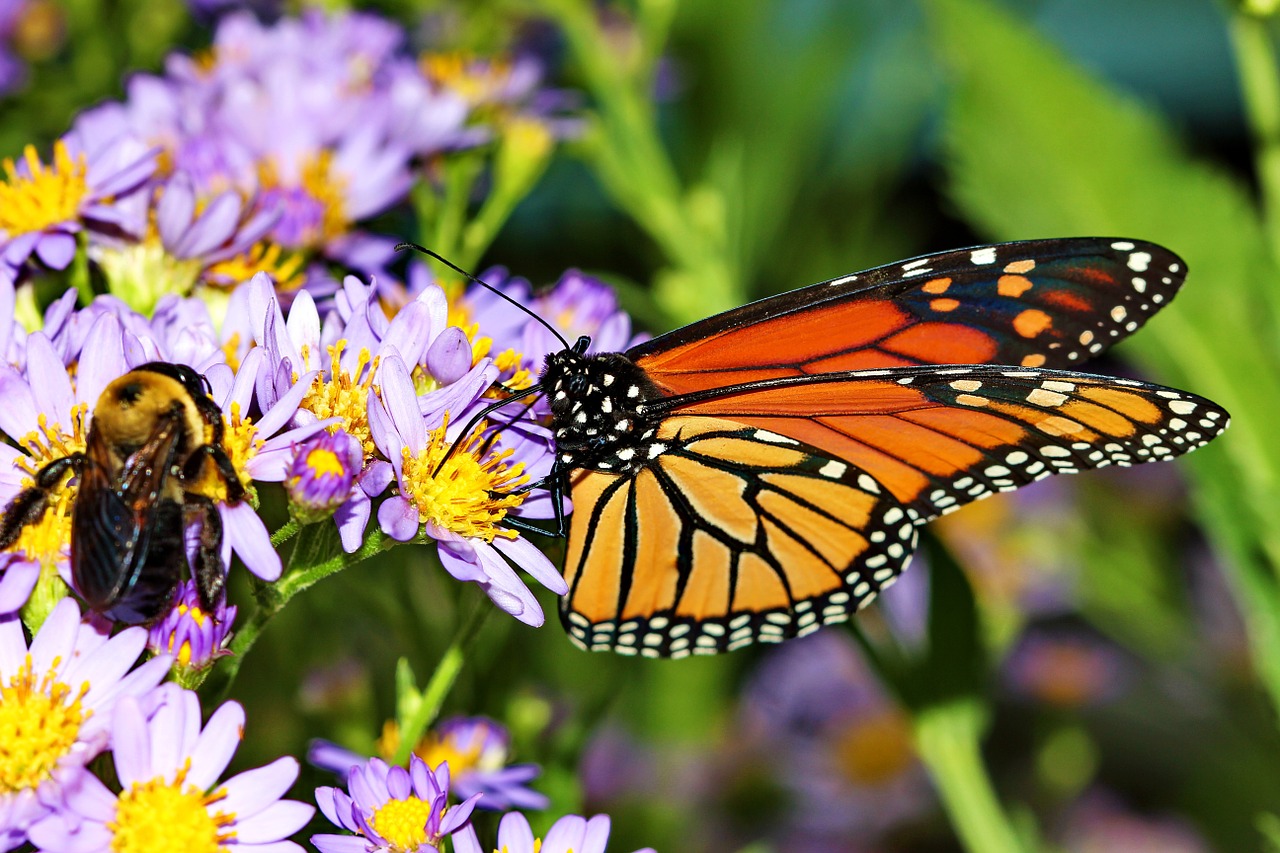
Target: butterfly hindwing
pixel 940 437
pixel 1036 303
pixel 730 535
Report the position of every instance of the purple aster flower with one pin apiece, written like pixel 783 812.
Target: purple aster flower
pixel 460 498
pixel 391 809
pixel 1066 669
pixel 168 766
pixel 1100 823
pixel 569 834
pixel 195 638
pixel 57 699
pixel 476 750
pixel 323 474
pixel 43 208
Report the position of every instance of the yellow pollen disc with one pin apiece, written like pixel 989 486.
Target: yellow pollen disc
pixel 40 719
pixel 403 823
pixel 159 815
pixel 284 267
pixel 435 750
pixel 321 181
pixel 875 749
pixel 323 461
pixel 473 81
pixel 467 496
pixel 47 196
pixel 345 395
pixel 47 539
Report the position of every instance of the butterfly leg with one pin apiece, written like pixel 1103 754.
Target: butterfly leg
pixel 556 483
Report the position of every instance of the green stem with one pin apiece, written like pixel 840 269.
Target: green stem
pixel 948 737
pixel 1259 70
pixel 286 531
pixel 317 554
pixel 427 708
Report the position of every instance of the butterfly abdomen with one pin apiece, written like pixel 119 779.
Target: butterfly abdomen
pixel 596 412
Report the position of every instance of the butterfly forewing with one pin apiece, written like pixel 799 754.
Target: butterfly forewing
pixel 938 438
pixel 730 535
pixel 1037 303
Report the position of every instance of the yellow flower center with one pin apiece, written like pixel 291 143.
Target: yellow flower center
pixel 140 273
pixel 345 395
pixel 475 82
pixel 323 461
pixel 197 616
pixel 283 266
pixel 49 536
pixel 467 496
pixel 40 719
pixel 403 823
pixel 321 182
pixel 160 815
pixel 47 196
pixel 873 750
pixel 434 750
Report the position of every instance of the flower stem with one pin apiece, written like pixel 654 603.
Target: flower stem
pixel 317 554
pixel 427 706
pixel 948 737
pixel 287 531
pixel 1256 63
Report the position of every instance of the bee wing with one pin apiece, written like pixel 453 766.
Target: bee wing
pixel 114 519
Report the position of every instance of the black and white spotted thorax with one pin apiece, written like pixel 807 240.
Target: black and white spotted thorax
pixel 597 411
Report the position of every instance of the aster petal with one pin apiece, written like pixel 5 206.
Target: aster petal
pixel 398 783
pixel 271 463
pixel 108 663
pixel 449 356
pixel 278 820
pixel 384 434
pixel 398 518
pixel 375 478
pixel 250 539
pixel 340 844
pixel 105 342
pixel 529 557
pixel 167 730
pixel 459 814
pixel 16 583
pixel 453 399
pixel 400 398
pixel 56 638
pixel 175 209
pixel 303 325
pixel 13 647
pixel 130 744
pixel 50 384
pixel 408 332
pixel 351 518
pixel 458 557
pixel 466 841
pixel 53 834
pixel 282 411
pixel 597 835
pixel 215 226
pixel 514 834
pixel 565 834
pixel 18 414
pixel 328 805
pixel 56 249
pixel 218 742
pixel 242 387
pixel 86 796
pixel 279 847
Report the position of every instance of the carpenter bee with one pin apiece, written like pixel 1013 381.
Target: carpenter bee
pixel 152 461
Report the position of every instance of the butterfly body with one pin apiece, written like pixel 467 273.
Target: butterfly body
pixel 758 474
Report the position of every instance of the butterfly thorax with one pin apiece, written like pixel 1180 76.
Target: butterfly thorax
pixel 595 411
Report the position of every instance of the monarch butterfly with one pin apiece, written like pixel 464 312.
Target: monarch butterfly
pixel 763 472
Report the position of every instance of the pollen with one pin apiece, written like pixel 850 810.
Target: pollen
pixel 467 495
pixel 47 539
pixel 46 195
pixel 160 815
pixel 284 267
pixel 196 615
pixel 345 395
pixel 40 720
pixel 435 750
pixel 403 823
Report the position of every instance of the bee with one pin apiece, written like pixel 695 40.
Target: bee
pixel 152 462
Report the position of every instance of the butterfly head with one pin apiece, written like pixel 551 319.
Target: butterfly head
pixel 595 406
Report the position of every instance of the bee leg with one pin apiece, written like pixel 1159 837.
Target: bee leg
pixel 30 503
pixel 195 462
pixel 211 575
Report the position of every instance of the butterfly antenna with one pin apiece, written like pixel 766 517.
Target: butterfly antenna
pixel 479 416
pixel 451 265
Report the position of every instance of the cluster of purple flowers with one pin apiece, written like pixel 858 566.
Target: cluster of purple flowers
pixel 263 155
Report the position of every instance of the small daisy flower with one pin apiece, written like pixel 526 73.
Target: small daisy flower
pixel 322 474
pixel 170 797
pixel 569 834
pixel 57 698
pixel 391 809
pixel 195 638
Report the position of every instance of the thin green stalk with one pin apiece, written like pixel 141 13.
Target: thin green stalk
pixel 427 708
pixel 286 531
pixel 1259 70
pixel 948 737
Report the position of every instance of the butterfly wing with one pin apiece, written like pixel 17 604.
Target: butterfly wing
pixel 1037 303
pixel 939 437
pixel 727 537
